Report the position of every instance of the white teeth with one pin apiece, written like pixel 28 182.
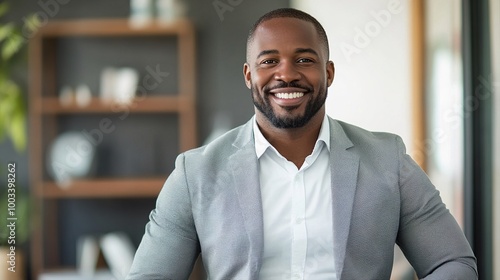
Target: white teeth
pixel 289 95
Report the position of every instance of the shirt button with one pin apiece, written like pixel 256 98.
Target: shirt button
pixel 298 220
pixel 296 276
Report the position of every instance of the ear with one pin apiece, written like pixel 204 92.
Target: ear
pixel 330 72
pixel 247 75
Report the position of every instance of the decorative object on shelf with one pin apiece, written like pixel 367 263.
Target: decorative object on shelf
pixel 119 84
pixel 71 156
pixel 118 252
pixel 107 84
pixel 83 96
pixel 87 255
pixel 116 247
pixel 126 81
pixel 170 10
pixel 66 96
pixel 141 12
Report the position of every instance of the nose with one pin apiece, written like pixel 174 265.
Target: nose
pixel 287 72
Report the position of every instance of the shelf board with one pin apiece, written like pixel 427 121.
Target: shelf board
pixel 104 188
pixel 152 104
pixel 114 27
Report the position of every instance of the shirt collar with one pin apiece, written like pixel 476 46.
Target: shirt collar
pixel 261 143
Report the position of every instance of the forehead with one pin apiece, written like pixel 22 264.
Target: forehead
pixel 284 34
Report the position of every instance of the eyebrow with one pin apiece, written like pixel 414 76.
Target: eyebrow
pixel 298 50
pixel 266 52
pixel 306 50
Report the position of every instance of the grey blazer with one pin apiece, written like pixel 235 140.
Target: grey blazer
pixel 211 203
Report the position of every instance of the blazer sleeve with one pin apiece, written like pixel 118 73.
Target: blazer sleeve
pixel 170 246
pixel 428 234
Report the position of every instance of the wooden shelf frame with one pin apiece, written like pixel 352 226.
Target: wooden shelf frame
pixel 156 104
pixel 103 188
pixel 115 27
pixel 45 108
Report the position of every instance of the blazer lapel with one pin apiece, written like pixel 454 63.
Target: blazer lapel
pixel 344 168
pixel 246 183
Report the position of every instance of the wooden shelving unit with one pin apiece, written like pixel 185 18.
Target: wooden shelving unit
pixel 101 188
pixel 171 104
pixel 45 109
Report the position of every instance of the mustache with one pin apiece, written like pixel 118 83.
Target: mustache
pixel 286 85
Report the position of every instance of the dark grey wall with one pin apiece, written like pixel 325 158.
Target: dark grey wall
pixel 221 42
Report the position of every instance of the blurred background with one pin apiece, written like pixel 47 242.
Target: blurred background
pixel 89 155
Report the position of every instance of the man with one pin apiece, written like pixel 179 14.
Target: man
pixel 294 194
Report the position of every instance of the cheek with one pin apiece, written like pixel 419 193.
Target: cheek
pixel 261 77
pixel 316 76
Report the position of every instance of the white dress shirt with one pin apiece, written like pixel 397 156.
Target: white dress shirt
pixel 297 207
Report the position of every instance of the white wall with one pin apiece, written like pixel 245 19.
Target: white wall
pixel 372 62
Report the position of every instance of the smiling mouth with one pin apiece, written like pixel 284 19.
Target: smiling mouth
pixel 289 95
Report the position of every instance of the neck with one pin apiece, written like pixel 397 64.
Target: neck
pixel 295 144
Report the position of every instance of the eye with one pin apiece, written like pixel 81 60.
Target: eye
pixel 305 60
pixel 269 61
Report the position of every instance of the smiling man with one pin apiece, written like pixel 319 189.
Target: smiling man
pixel 294 194
pixel 288 72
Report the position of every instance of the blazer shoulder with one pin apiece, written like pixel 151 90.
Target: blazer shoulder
pixel 378 144
pixel 221 148
pixel 211 163
pixel 360 135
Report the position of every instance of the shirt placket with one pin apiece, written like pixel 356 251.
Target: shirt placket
pixel 299 241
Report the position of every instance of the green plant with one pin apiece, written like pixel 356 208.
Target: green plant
pixel 13 121
pixel 22 221
pixel 12 105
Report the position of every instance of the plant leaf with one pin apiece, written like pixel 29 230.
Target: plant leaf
pixel 6 31
pixel 17 119
pixel 3 8
pixel 32 23
pixel 3 124
pixel 12 114
pixel 12 46
pixel 17 131
pixel 7 91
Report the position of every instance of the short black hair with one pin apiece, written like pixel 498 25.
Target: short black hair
pixel 290 13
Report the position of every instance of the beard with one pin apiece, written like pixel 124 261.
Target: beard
pixel 314 104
